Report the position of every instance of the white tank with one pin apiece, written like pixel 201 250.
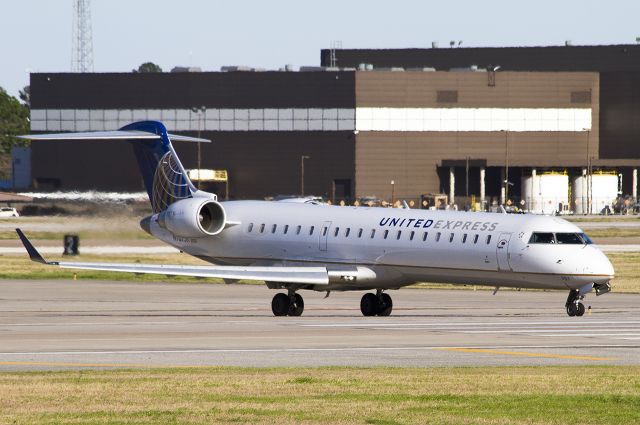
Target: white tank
pixel 546 193
pixel 604 191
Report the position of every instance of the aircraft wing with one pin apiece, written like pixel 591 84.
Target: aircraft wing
pixel 305 275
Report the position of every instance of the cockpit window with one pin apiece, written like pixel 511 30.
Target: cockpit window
pixel 586 238
pixel 539 237
pixel 569 239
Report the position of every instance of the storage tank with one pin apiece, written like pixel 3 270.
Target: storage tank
pixel 546 193
pixel 603 189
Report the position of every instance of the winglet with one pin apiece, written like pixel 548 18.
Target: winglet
pixel 33 252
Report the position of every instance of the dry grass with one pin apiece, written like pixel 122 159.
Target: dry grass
pixel 516 395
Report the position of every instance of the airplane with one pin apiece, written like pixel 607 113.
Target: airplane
pixel 293 246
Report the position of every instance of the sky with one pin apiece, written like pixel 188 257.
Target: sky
pixel 35 35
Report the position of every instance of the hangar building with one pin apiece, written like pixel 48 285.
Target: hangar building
pixel 461 121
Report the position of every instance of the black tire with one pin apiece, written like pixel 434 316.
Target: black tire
pixel 572 309
pixel 580 310
pixel 369 304
pixel 298 307
pixel 280 305
pixel 385 305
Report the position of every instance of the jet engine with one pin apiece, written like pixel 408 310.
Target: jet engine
pixel 193 218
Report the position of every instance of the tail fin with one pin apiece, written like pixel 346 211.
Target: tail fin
pixel 164 176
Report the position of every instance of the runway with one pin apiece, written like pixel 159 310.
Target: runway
pixel 80 324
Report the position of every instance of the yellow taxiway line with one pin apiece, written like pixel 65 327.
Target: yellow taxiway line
pixel 524 354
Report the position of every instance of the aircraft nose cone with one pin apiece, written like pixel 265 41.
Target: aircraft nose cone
pixel 145 224
pixel 600 264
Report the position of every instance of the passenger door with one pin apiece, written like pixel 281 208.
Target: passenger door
pixel 324 234
pixel 502 252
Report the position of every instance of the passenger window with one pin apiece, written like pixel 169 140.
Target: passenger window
pixel 250 227
pixel 311 230
pixel 373 233
pixel 411 235
pixel 399 234
pixel 386 233
pixel 262 228
pixel 451 238
pixel 438 237
pixel 360 233
pixel 464 238
pixel 273 228
pixel 475 238
pixel 298 229
pixel 325 230
pixel 569 239
pixel 336 231
pixel 539 237
pixel 286 228
pixel 346 232
pixel 488 239
pixel 424 236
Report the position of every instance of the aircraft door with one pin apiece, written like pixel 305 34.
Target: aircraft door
pixel 324 235
pixel 502 252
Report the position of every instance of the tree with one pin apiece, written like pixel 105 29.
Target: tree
pixel 148 67
pixel 14 120
pixel 25 96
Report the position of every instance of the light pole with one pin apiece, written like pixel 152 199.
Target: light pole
pixel 393 184
pixel 200 111
pixel 587 207
pixel 302 158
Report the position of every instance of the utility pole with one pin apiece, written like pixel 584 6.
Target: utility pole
pixel 302 158
pixel 200 111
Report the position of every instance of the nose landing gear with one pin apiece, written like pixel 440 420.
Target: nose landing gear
pixel 379 304
pixel 287 305
pixel 574 304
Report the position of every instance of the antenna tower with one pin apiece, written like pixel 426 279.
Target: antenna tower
pixel 82 40
pixel 333 61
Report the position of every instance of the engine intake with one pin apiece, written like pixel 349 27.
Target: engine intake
pixel 193 218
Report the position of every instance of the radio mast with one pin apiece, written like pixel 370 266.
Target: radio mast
pixel 81 38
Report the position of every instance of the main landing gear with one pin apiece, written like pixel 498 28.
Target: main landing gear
pixel 290 304
pixel 378 304
pixel 574 303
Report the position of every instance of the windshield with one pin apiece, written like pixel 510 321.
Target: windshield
pixel 560 238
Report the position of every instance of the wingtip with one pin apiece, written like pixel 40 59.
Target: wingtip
pixel 34 255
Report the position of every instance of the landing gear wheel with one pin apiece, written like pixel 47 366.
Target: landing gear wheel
pixel 369 304
pixel 297 307
pixel 572 309
pixel 280 304
pixel 580 310
pixel 385 305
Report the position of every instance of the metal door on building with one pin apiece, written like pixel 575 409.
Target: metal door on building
pixel 502 252
pixel 324 234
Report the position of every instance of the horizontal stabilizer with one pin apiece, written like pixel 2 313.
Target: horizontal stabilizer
pixel 111 135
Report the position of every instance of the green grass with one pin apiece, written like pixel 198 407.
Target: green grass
pixel 335 395
pixel 105 235
pixel 614 232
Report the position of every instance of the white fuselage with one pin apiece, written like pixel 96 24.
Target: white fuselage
pixel 388 248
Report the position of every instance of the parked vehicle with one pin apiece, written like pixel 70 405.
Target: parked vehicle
pixel 8 212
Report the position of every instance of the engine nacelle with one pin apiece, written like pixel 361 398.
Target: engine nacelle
pixel 193 218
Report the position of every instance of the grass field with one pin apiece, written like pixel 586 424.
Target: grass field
pixel 378 396
pixel 626 264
